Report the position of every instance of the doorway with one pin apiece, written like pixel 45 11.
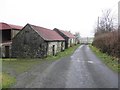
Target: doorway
pixel 53 49
pixel 7 51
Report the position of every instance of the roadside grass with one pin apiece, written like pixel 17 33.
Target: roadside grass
pixel 19 66
pixel 0 73
pixel 0 80
pixel 65 53
pixel 110 61
pixel 16 66
pixel 9 80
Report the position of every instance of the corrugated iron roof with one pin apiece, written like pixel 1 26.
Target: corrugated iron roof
pixel 5 26
pixel 67 33
pixel 47 34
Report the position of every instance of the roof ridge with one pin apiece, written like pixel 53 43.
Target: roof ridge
pixel 41 27
pixel 47 34
pixel 9 26
pixel 67 33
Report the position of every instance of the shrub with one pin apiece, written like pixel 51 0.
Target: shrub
pixel 108 43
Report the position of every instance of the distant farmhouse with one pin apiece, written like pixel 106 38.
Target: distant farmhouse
pixel 69 37
pixel 7 32
pixel 37 42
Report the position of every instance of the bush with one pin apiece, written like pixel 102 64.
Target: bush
pixel 108 43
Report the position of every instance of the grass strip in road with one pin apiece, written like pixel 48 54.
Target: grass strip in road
pixel 110 61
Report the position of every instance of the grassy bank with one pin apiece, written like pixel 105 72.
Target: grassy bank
pixel 18 66
pixel 110 61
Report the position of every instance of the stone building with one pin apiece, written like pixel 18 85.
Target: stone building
pixel 7 32
pixel 69 37
pixel 36 42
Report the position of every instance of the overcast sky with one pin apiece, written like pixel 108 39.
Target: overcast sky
pixel 72 15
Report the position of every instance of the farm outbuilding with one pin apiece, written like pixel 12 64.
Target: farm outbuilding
pixel 7 32
pixel 68 36
pixel 36 42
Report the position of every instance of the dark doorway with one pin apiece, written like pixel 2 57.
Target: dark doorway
pixel 62 47
pixel 7 51
pixel 70 42
pixel 66 44
pixel 53 50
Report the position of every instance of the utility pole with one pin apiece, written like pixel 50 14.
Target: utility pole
pixel 98 23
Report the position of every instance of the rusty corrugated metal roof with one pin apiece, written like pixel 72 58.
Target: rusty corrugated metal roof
pixel 66 33
pixel 5 26
pixel 47 34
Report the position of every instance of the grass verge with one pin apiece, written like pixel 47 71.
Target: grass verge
pixel 12 68
pixel 65 53
pixel 19 66
pixel 23 65
pixel 110 61
pixel 9 80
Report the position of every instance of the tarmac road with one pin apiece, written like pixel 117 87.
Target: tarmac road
pixel 81 70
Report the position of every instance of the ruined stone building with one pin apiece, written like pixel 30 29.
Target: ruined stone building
pixel 37 42
pixel 7 32
pixel 68 36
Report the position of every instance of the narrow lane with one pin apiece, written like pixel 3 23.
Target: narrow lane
pixel 87 71
pixel 81 70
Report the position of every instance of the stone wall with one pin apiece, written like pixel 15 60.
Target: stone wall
pixel 2 51
pixel 62 46
pixel 50 48
pixel 71 42
pixel 58 47
pixel 65 37
pixel 14 32
pixel 0 43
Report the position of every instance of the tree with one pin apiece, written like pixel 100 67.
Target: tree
pixel 105 23
pixel 107 37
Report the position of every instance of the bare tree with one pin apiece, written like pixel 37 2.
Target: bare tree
pixel 107 37
pixel 105 23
